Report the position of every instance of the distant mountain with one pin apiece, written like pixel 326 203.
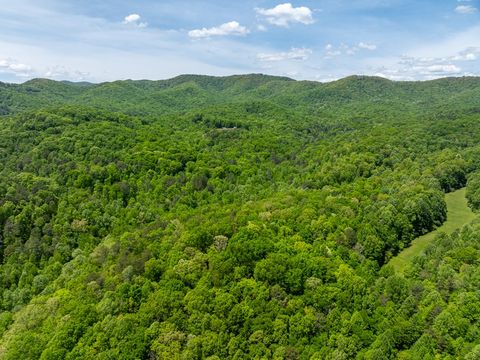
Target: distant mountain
pixel 193 91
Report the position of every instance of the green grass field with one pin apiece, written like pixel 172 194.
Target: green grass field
pixel 458 215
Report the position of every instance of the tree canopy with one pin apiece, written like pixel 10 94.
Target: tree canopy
pixel 246 217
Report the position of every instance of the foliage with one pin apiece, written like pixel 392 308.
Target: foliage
pixel 238 217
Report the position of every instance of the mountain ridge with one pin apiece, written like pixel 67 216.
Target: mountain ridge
pixel 189 77
pixel 188 92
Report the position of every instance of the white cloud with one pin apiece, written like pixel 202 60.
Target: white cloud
pixel 330 51
pixel 456 63
pixel 466 9
pixel 261 27
pixel 134 19
pixel 286 14
pixel 448 69
pixel 413 68
pixel 346 49
pixel 16 68
pixel 350 50
pixel 20 67
pixel 367 46
pixel 469 54
pixel 294 54
pixel 230 28
pixel 53 72
pixel 63 73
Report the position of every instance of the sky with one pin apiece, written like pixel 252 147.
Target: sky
pixel 323 40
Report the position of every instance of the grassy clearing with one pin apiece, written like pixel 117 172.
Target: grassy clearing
pixel 458 215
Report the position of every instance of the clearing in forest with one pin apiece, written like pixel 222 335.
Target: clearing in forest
pixel 458 214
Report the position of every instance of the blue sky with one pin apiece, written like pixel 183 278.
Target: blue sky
pixel 105 40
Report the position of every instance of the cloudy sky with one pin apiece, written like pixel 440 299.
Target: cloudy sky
pixel 104 40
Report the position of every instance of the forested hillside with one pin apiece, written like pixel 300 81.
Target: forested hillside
pixel 246 217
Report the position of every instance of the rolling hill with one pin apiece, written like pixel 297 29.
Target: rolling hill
pixel 241 217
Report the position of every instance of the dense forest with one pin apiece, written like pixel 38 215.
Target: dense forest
pixel 243 217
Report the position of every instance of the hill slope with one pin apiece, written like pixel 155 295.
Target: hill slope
pixel 192 91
